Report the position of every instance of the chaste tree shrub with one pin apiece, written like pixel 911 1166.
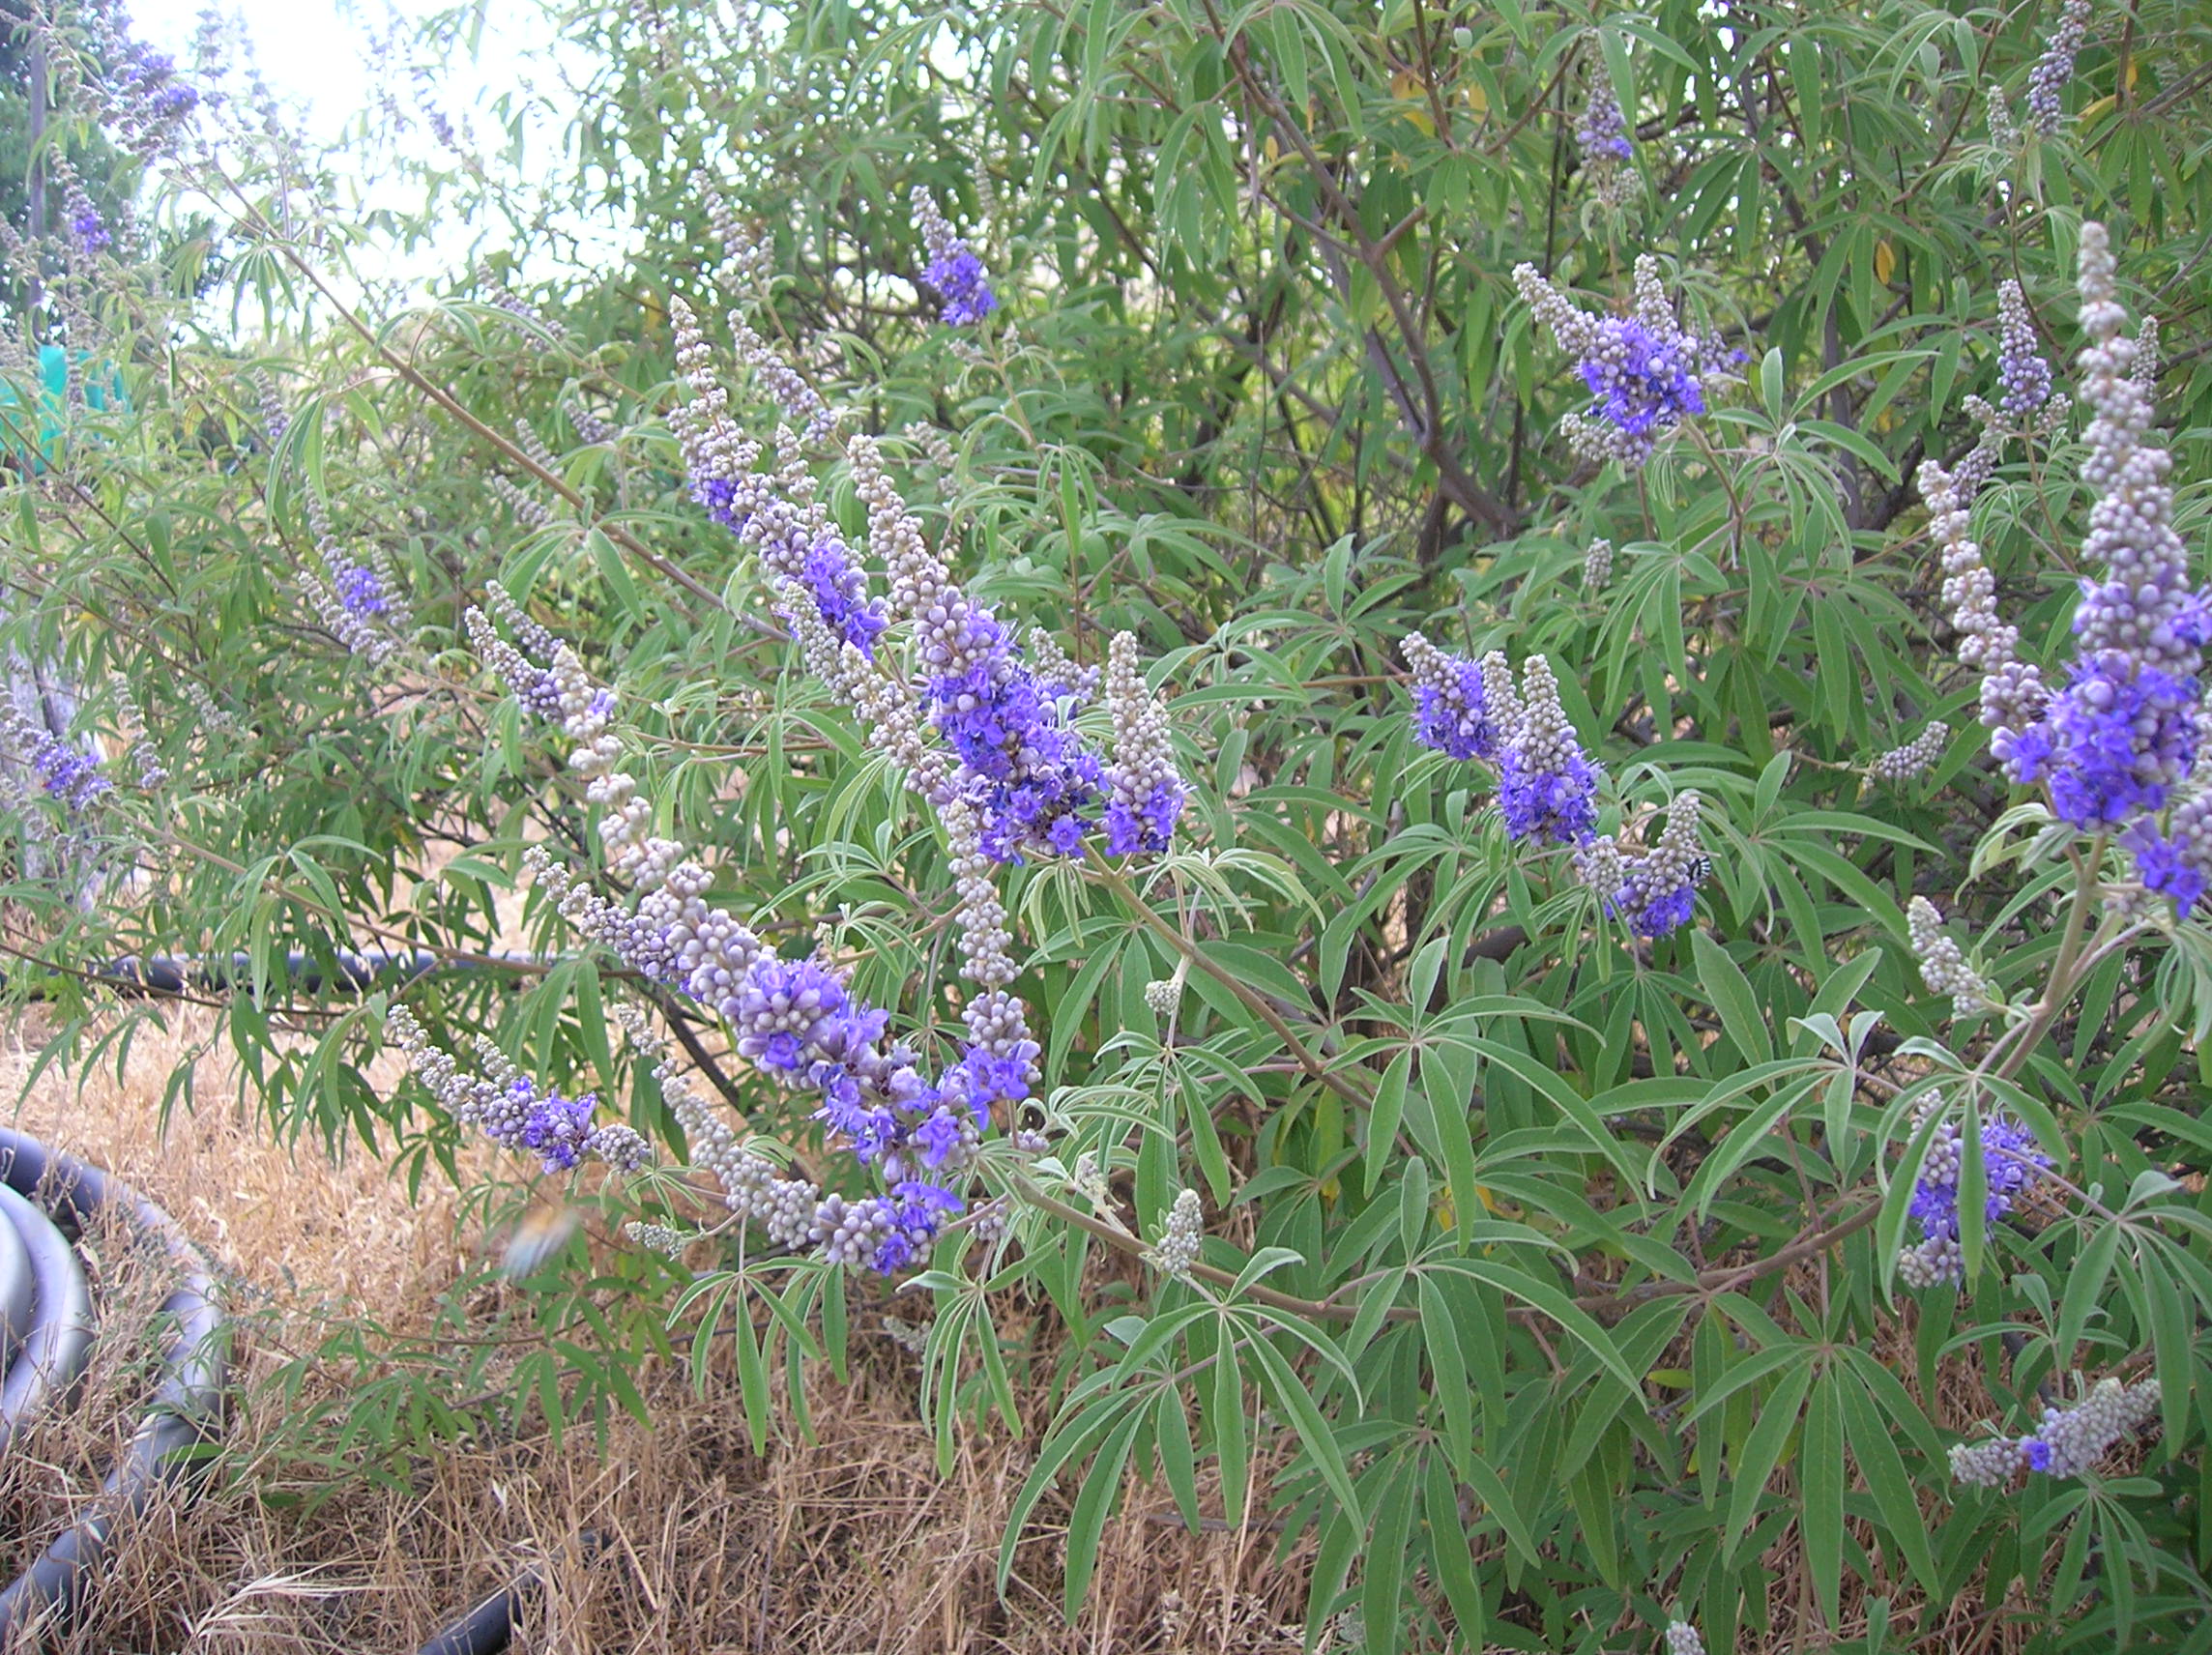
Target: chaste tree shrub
pixel 1461 749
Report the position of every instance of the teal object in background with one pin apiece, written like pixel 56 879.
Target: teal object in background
pixel 103 391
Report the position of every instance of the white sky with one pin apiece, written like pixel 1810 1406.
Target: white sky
pixel 310 51
pixel 314 55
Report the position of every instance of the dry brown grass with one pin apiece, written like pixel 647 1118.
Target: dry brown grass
pixel 851 1544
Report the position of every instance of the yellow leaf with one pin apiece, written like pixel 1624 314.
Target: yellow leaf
pixel 2097 110
pixel 1406 86
pixel 1884 262
pixel 1477 100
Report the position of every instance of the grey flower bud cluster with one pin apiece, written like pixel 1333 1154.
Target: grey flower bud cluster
pixel 1989 1465
pixel 275 421
pixel 433 1066
pixel 2142 605
pixel 1598 565
pixel 1901 764
pixel 1542 735
pixel 745 260
pixel 1575 329
pixel 1180 1238
pixel 2023 373
pixel 1055 674
pixel 500 605
pixel 533 447
pixel 2071 1440
pixel 587 424
pixel 984 940
pixel 529 510
pixel 1683 1639
pixel 1506 712
pixel 1143 756
pixel 2147 359
pixel 1600 866
pixel 935 446
pixel 1163 995
pixel 1935 1260
pixel 2012 692
pixel 1943 966
pixel 849 1233
pixel 501 297
pixel 211 717
pixel 658 1239
pixel 2047 80
pixel 152 774
pixel 713 448
pixel 792 391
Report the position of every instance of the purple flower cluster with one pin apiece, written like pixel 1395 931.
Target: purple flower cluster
pixel 1602 131
pixel 512 1110
pixel 958 277
pixel 2011 1163
pixel 68 775
pixel 153 76
pixel 2112 743
pixel 554 1127
pixel 2176 862
pixel 953 272
pixel 1655 889
pixel 1645 371
pixel 797 1021
pixel 359 590
pixel 1451 712
pixel 1644 381
pixel 2116 745
pixel 840 593
pixel 1547 786
pixel 1031 781
pixel 84 222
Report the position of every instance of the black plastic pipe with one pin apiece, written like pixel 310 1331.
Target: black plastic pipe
pixel 46 1342
pixel 56 1344
pixel 357 971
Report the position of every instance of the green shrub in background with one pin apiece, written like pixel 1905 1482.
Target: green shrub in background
pixel 1739 1101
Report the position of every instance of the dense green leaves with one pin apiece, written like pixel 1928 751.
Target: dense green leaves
pixel 1549 1289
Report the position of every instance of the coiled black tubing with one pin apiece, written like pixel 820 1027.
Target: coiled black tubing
pixel 46 1329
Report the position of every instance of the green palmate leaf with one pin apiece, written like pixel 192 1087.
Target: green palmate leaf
pixel 1094 1500
pixel 1763 1450
pixel 1871 1431
pixel 1820 1459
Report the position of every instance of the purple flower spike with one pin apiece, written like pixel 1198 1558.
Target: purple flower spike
pixel 953 272
pixel 1451 708
pixel 1547 788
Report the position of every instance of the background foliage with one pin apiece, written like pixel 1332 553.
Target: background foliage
pixel 1565 1259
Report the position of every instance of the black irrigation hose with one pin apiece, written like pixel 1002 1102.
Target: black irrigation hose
pixel 47 1198
pixel 48 1194
pixel 356 972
